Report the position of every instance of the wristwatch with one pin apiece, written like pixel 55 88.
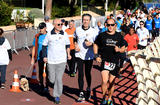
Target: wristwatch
pixel 96 55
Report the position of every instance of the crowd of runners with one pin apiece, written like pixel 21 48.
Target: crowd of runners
pixel 61 43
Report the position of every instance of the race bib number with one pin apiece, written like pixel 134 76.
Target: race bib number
pixel 109 66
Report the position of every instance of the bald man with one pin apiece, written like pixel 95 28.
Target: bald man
pixel 107 47
pixel 58 44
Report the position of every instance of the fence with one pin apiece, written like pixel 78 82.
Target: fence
pixel 20 38
pixel 23 38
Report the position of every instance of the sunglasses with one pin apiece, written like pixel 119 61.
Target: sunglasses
pixel 59 24
pixel 141 24
pixel 110 25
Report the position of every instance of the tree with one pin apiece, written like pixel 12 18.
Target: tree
pixel 48 8
pixel 114 11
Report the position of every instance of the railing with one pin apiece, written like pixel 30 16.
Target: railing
pixel 146 64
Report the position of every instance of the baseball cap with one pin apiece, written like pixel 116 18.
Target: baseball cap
pixel 62 20
pixel 46 18
pixel 42 25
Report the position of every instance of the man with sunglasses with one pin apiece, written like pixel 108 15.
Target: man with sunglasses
pixel 107 47
pixel 143 35
pixel 58 44
pixel 84 38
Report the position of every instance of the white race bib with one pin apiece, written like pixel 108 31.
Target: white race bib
pixel 109 66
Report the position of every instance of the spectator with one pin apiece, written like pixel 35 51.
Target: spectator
pixel 5 56
pixel 56 56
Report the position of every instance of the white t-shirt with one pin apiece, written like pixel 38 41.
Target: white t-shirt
pixel 85 53
pixel 4 57
pixel 49 27
pixel 64 27
pixel 142 33
pixel 56 47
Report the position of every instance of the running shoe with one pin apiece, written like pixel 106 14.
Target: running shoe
pixel 104 102
pixel 88 93
pixel 81 97
pixel 57 100
pixel 72 75
pixel 110 102
pixel 2 86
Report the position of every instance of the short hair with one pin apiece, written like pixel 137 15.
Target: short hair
pixel 110 19
pixel 141 22
pixel 1 31
pixel 111 15
pixel 71 21
pixel 46 18
pixel 86 15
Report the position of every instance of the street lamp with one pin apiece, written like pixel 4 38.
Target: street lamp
pixel 43 6
pixel 81 7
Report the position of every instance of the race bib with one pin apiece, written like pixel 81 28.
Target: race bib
pixel 109 66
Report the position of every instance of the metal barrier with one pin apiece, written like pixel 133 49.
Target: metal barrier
pixel 22 38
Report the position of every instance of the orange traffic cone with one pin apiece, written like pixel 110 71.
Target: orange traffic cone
pixel 15 84
pixel 34 76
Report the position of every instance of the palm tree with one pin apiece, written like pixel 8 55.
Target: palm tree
pixel 48 8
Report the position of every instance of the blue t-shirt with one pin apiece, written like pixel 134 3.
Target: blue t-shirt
pixel 119 22
pixel 157 22
pixel 40 42
pixel 149 24
pixel 104 29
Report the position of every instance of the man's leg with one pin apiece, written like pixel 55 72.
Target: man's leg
pixel 40 66
pixel 72 63
pixel 111 88
pixel 80 63
pixel 51 73
pixel 88 67
pixel 58 86
pixel 105 76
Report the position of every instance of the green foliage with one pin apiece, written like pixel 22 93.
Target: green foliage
pixel 111 6
pixel 60 11
pixel 5 14
pixel 77 10
pixel 34 13
pixel 64 11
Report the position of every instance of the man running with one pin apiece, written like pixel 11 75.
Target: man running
pixel 107 47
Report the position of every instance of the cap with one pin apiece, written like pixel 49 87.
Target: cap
pixel 46 18
pixel 62 20
pixel 42 25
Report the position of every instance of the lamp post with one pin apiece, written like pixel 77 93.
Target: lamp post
pixel 81 7
pixel 43 6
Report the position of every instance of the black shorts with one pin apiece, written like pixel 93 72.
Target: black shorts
pixel 114 72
